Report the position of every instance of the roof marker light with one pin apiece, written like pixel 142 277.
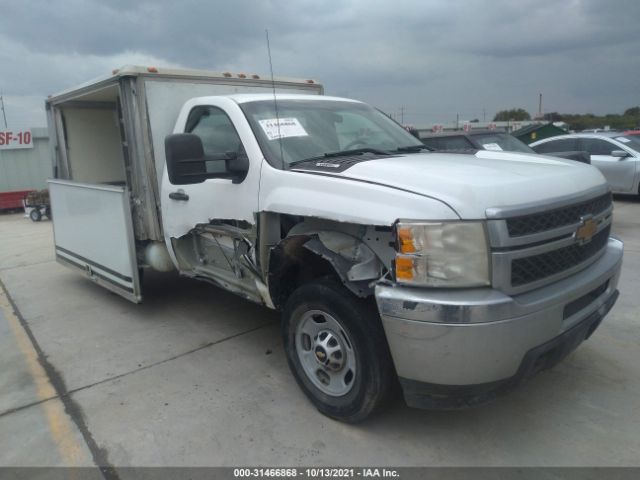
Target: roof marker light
pixel 114 71
pixel 242 75
pixel 152 70
pixel 310 81
pixel 257 77
pixel 226 74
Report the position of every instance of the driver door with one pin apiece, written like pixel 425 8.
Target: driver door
pixel 209 227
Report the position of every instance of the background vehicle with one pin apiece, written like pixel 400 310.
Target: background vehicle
pixel 489 140
pixel 616 155
pixel 455 275
pixel 37 205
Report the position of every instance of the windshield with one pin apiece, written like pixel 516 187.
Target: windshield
pixel 630 141
pixel 312 128
pixel 502 141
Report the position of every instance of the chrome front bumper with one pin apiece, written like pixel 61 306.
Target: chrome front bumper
pixel 471 337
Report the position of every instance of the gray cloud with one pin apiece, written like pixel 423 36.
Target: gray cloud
pixel 435 58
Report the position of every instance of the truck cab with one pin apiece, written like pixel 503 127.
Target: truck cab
pixel 454 275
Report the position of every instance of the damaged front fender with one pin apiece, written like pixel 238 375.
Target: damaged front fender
pixel 300 259
pixel 354 262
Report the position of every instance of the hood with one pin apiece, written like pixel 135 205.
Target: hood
pixel 470 184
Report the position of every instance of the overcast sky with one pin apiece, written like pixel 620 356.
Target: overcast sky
pixel 435 58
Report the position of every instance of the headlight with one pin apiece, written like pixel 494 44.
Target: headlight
pixel 442 254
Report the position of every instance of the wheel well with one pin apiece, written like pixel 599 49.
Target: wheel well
pixel 292 265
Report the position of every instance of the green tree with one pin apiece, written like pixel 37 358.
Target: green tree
pixel 613 120
pixel 517 114
pixel 632 112
pixel 553 117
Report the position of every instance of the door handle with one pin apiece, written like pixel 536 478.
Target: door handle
pixel 179 195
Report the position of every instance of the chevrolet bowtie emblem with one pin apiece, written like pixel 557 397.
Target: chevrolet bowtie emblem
pixel 586 230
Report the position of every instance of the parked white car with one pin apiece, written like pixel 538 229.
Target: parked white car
pixel 615 154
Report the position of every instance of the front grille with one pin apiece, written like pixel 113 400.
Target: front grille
pixel 537 267
pixel 540 222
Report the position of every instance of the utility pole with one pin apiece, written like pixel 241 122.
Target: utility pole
pixel 457 121
pixel 540 106
pixel 484 115
pixel 402 115
pixel 4 115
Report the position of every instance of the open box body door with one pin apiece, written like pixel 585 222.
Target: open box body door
pixel 93 233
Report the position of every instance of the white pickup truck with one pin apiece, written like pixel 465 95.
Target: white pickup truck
pixel 455 276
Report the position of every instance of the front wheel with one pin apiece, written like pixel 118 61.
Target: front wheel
pixel 337 351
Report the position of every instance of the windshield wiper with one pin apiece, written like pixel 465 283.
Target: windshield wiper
pixel 341 153
pixel 413 148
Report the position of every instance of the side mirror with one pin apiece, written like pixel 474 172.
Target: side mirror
pixel 619 154
pixel 185 159
pixel 187 163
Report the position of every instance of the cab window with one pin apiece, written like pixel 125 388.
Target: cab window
pixel 217 133
pixel 354 129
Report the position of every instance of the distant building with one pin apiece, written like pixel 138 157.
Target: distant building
pixel 535 132
pixel 466 125
pixel 509 127
pixel 24 165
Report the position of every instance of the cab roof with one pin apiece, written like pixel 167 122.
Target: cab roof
pixel 257 97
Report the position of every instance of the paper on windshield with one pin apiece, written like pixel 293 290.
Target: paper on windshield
pixel 275 128
pixel 623 140
pixel 492 146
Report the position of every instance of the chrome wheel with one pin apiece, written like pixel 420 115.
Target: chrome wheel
pixel 325 353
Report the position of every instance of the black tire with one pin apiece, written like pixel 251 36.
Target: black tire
pixel 374 378
pixel 35 215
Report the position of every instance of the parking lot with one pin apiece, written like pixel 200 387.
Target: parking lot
pixel 196 376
